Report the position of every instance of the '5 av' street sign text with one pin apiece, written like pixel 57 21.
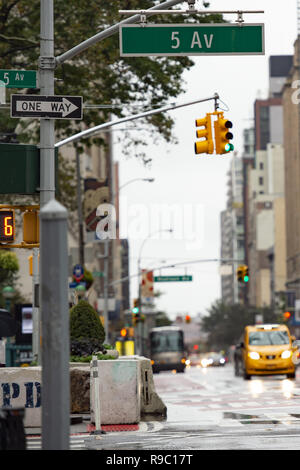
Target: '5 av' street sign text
pixel 50 107
pixel 18 78
pixel 191 39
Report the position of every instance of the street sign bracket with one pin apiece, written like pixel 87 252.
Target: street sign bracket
pixel 189 11
pixel 47 62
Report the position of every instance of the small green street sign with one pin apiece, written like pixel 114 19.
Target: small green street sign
pixel 172 278
pixel 98 274
pixel 18 78
pixel 191 39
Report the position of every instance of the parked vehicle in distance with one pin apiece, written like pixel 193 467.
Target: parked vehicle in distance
pixel 167 349
pixel 265 350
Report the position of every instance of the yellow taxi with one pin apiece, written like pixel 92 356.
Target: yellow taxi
pixel 267 350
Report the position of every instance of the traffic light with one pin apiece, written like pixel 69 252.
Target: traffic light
pixel 124 332
pixel 287 316
pixel 187 319
pixel 136 312
pixel 240 273
pixel 31 227
pixel 207 144
pixel 222 134
pixel 7 225
pixel 136 306
pixel 246 274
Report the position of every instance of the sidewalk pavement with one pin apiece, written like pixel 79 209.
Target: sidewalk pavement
pixel 81 423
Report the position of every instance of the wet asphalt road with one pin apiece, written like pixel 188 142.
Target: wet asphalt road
pixel 210 409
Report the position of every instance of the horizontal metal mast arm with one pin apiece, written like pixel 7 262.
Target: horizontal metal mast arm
pixel 224 260
pixel 188 12
pixel 94 130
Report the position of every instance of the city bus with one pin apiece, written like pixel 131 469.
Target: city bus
pixel 167 349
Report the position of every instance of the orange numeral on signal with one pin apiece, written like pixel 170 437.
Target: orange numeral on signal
pixel 8 228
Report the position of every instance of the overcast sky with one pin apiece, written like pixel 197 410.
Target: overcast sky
pixel 191 187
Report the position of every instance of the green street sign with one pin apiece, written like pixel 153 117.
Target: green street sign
pixel 18 78
pixel 98 274
pixel 191 39
pixel 172 278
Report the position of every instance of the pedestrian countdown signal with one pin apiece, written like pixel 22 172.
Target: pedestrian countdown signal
pixel 7 225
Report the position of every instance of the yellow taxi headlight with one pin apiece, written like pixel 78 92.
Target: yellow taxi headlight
pixel 286 354
pixel 253 355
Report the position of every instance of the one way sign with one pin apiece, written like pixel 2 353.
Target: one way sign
pixel 50 107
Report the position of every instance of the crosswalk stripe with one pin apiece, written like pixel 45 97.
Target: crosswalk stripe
pixel 76 442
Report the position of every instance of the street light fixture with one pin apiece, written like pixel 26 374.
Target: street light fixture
pixel 149 180
pixel 8 293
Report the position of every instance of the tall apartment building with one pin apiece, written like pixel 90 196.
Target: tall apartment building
pixel 232 233
pixel 100 185
pixel 291 111
pixel 264 207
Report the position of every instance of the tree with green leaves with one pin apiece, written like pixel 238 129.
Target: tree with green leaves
pixel 108 83
pixel 9 268
pixel 86 330
pixel 225 323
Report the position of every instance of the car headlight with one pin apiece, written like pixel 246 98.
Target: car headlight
pixel 286 354
pixel 253 355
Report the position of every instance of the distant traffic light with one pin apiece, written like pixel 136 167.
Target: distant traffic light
pixel 287 315
pixel 242 273
pixel 136 306
pixel 222 134
pixel 136 311
pixel 187 319
pixel 206 145
pixel 123 332
pixel 246 274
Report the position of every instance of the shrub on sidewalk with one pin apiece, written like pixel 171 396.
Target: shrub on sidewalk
pixel 86 330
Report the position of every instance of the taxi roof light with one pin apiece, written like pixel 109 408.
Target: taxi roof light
pixel 267 327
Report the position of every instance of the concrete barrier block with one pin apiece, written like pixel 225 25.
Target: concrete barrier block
pixel 151 403
pixel 21 387
pixel 126 390
pixel 120 388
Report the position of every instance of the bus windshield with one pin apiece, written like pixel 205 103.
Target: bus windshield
pixel 166 341
pixel 266 338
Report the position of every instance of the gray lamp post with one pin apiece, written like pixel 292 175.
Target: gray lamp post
pixel 8 293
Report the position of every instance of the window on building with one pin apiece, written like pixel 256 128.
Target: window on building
pixel 261 180
pixel 261 166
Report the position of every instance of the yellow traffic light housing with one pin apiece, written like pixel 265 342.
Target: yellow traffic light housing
pixel 242 273
pixel 31 227
pixel 207 144
pixel 222 134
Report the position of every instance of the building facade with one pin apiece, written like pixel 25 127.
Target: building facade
pixel 291 111
pixel 232 234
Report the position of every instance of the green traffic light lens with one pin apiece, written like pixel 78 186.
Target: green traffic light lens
pixel 135 310
pixel 246 278
pixel 229 147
